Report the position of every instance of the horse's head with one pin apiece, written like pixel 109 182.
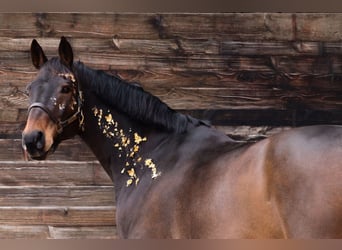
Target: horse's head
pixel 55 101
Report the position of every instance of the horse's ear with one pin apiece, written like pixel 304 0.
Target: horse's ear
pixel 37 54
pixel 65 52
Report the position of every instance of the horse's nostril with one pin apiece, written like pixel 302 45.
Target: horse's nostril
pixel 40 140
pixel 34 141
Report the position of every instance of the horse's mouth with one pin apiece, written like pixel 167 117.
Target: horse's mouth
pixel 40 157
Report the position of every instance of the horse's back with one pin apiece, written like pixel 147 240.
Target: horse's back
pixel 288 185
pixel 305 173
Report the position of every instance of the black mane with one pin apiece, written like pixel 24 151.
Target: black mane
pixel 132 100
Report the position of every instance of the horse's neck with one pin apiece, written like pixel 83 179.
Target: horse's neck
pixel 120 144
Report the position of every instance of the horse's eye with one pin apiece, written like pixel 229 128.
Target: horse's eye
pixel 66 89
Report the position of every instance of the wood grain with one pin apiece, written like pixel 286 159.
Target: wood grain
pixel 57 232
pixel 24 232
pixel 52 173
pixel 56 196
pixel 98 232
pixel 70 150
pixel 58 216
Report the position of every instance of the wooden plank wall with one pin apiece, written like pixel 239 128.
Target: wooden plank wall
pixel 251 75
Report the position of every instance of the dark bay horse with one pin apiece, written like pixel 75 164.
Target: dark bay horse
pixel 177 177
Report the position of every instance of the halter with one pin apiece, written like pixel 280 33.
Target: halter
pixel 61 124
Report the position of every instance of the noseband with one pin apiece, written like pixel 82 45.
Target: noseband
pixel 78 115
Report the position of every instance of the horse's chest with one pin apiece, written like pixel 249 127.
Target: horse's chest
pixel 151 219
pixel 155 213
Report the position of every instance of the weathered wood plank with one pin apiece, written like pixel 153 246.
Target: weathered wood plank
pixel 230 94
pixel 319 27
pixel 58 216
pixel 20 46
pixel 225 98
pixel 242 26
pixel 76 25
pixel 57 232
pixel 24 232
pixel 249 26
pixel 98 232
pixel 168 48
pixel 70 150
pixel 165 70
pixel 117 61
pixel 18 25
pixel 280 48
pixel 191 71
pixel 52 173
pixel 56 196
pixel 12 130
